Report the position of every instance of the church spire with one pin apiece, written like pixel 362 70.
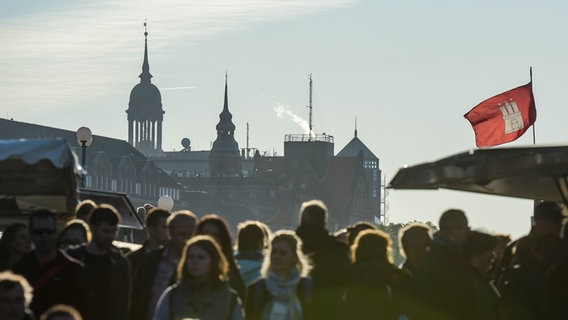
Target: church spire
pixel 145 76
pixel 225 124
pixel 226 104
pixel 355 127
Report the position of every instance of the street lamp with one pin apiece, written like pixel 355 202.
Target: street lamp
pixel 84 138
pixel 166 202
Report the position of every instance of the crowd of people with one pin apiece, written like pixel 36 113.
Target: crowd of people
pixel 189 268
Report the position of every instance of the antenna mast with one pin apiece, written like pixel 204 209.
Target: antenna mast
pixel 310 105
pixel 247 140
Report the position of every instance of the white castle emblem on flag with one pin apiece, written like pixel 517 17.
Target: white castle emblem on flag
pixel 512 116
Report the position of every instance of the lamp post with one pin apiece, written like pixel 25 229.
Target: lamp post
pixel 84 138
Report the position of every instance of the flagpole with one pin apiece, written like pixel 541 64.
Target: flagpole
pixel 533 125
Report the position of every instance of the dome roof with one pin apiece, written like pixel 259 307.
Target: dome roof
pixel 145 98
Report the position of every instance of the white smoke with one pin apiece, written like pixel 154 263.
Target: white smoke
pixel 283 112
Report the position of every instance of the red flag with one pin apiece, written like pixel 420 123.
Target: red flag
pixel 504 117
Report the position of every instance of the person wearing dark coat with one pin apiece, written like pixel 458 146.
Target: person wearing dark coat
pixel 442 281
pixel 157 236
pixel 479 249
pixel 329 259
pixel 55 277
pixel 375 287
pixel 108 271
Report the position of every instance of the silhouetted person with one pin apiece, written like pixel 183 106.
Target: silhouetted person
pixel 354 230
pixel 15 297
pixel 479 250
pixel 329 258
pixel 83 209
pixel 523 267
pixel 75 233
pixel 157 236
pixel 415 239
pixel 218 228
pixel 251 241
pixel 15 243
pixel 374 284
pixel 61 312
pixel 157 269
pixel 55 277
pixel 443 280
pixel 108 271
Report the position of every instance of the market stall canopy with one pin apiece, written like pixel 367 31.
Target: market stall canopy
pixel 120 201
pixel 37 174
pixel 538 173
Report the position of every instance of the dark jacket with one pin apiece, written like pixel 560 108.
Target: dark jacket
pixel 374 290
pixel 330 260
pixel 143 281
pixel 61 281
pixel 118 298
pixel 444 284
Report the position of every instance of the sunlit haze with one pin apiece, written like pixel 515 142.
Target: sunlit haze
pixel 405 72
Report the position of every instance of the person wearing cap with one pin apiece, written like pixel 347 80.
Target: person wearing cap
pixel 523 267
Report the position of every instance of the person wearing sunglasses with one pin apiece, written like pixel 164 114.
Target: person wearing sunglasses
pixel 56 278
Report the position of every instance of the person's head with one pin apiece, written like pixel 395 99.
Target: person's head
pixel 15 241
pixel 218 228
pixel 372 245
pixel 479 249
pixel 15 296
pixel 454 226
pixel 43 231
pixel 202 260
pixel 76 232
pixel 354 230
pixel 251 236
pixel 83 209
pixel 548 218
pixel 104 225
pixel 61 312
pixel 313 212
pixel 285 254
pixel 415 238
pixel 156 225
pixel 181 227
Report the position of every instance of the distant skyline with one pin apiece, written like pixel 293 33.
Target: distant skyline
pixel 407 71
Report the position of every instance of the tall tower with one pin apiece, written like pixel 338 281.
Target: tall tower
pixel 145 113
pixel 224 159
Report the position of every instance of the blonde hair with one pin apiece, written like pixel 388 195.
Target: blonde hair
pixel 295 244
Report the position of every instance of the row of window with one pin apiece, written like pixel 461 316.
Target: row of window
pixel 147 190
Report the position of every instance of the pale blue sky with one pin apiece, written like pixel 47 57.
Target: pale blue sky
pixel 408 70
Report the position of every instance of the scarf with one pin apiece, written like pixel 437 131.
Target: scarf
pixel 285 304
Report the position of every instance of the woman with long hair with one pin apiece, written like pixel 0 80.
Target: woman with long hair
pixel 14 244
pixel 215 226
pixel 201 291
pixel 284 291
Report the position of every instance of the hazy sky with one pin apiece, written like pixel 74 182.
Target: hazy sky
pixel 407 70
